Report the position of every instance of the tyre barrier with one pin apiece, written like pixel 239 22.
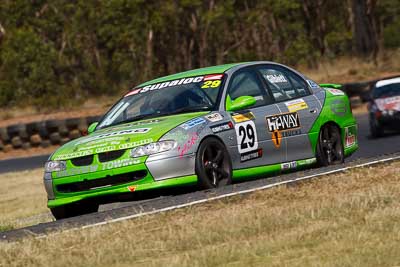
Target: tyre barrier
pixel 43 134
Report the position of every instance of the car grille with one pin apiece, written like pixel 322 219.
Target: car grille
pixel 111 155
pixel 82 161
pixel 102 182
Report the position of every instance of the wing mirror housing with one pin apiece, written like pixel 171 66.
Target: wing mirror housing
pixel 92 127
pixel 239 103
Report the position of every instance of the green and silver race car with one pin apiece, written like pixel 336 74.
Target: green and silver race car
pixel 208 127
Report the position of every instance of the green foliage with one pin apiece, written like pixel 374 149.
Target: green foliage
pixel 59 52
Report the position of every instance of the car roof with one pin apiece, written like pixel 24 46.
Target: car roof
pixel 196 72
pixel 387 81
pixel 229 68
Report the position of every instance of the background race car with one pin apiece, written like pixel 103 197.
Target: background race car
pixel 384 106
pixel 207 127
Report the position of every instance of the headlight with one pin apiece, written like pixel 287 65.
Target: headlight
pixel 153 148
pixel 54 166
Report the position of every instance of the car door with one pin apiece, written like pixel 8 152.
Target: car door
pixel 254 147
pixel 298 110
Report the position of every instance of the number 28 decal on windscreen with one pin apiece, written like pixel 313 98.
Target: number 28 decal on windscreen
pixel 247 136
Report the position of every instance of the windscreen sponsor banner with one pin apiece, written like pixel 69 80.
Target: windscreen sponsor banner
pixel 213 77
pixel 182 81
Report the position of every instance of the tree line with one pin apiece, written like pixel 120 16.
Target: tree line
pixel 54 53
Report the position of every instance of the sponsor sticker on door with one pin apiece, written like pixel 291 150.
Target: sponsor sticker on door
pixel 296 105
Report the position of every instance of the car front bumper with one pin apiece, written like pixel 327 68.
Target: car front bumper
pixel 163 173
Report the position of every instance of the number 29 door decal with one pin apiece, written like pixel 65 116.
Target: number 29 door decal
pixel 247 136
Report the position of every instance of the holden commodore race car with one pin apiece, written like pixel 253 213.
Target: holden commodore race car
pixel 207 127
pixel 384 106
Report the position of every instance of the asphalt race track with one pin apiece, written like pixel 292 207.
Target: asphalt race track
pixel 371 151
pixel 368 147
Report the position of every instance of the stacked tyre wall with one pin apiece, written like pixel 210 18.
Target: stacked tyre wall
pixel 44 133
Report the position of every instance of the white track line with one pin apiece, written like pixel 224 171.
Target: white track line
pixel 240 192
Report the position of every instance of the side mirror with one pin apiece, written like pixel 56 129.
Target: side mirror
pixel 92 127
pixel 239 103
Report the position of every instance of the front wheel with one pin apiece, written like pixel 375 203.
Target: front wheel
pixel 72 210
pixel 375 130
pixel 330 147
pixel 213 164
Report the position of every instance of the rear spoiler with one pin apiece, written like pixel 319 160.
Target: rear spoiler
pixel 331 85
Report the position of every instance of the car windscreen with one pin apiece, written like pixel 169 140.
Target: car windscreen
pixel 183 95
pixel 387 90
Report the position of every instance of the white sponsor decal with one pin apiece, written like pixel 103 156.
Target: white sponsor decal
pixel 350 138
pixel 276 78
pixel 335 91
pixel 162 85
pixel 288 165
pixel 192 123
pixel 112 134
pixel 282 122
pixel 213 77
pixel 297 104
pixel 389 103
pixel 312 84
pixel 214 117
pixel 246 134
pixel 119 163
pixel 222 127
pixel 93 168
pixel 103 149
pixel 251 155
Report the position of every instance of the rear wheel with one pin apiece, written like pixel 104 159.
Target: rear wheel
pixel 330 147
pixel 72 210
pixel 213 164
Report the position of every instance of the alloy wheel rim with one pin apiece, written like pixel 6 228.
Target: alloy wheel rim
pixel 214 163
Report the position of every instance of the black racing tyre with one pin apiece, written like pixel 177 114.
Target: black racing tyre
pixel 35 140
pixel 44 134
pixel 32 128
pixel 72 210
pixel 53 125
pixel 92 119
pixel 375 129
pixel 45 143
pixel 4 135
pixel 16 142
pixel 74 134
pixel 72 123
pixel 17 130
pixel 330 149
pixel 213 164
pixel 55 138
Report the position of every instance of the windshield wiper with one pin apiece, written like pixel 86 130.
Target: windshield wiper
pixel 187 109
